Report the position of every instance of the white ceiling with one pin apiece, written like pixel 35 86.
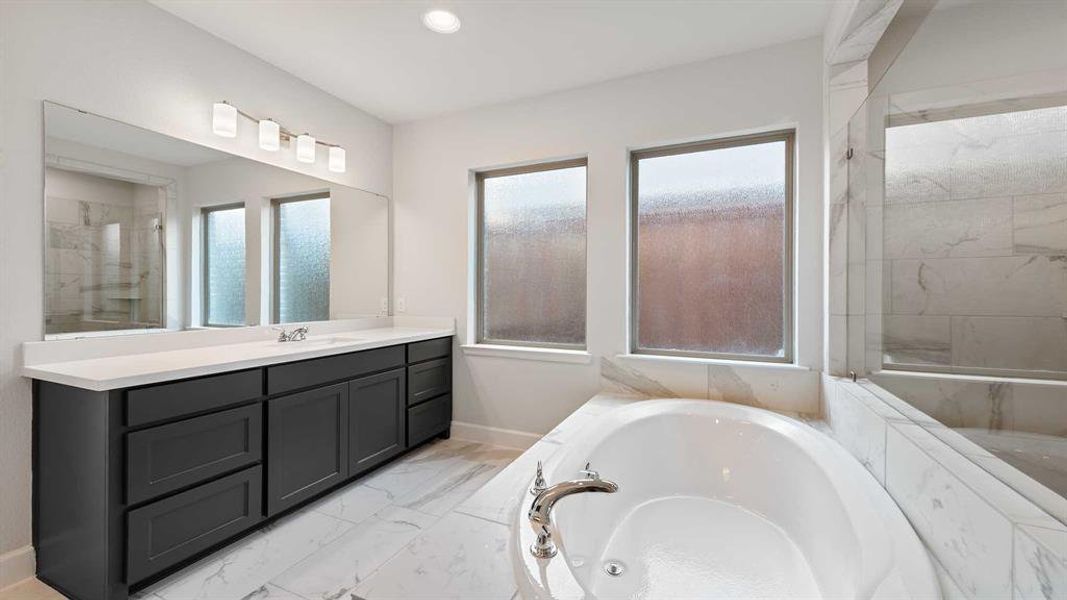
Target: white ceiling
pixel 377 55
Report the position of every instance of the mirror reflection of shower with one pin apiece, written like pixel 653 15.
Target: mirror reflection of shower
pixel 107 253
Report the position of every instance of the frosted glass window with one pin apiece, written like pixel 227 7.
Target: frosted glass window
pixel 302 260
pixel 532 256
pixel 712 248
pixel 224 266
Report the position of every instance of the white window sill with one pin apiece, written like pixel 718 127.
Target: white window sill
pixel 528 353
pixel 694 360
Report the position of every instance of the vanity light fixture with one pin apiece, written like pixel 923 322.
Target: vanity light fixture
pixel 337 159
pixel 224 119
pixel 441 21
pixel 305 148
pixel 272 134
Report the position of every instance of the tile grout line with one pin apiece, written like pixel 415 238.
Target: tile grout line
pixel 285 589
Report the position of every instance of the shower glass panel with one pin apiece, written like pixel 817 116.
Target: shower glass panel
pixel 975 238
pixel 105 243
pixel 958 237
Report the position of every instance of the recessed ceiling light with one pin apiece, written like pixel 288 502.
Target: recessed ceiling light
pixel 440 21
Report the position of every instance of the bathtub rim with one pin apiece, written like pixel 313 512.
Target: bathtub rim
pixel 910 566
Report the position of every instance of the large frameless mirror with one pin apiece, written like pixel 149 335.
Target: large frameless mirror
pixel 145 232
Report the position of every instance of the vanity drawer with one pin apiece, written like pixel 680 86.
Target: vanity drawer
pixel 318 371
pixel 429 379
pixel 169 457
pixel 420 351
pixel 167 532
pixel 429 419
pixel 170 400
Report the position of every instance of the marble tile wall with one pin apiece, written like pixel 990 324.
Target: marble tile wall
pixel 846 91
pixel 987 539
pixel 784 388
pixel 974 240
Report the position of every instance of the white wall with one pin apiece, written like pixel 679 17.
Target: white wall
pixel 766 89
pixel 136 63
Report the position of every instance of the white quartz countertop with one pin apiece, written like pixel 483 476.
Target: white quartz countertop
pixel 129 370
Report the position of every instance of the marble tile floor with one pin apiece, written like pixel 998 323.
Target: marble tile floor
pixel 31 589
pixel 397 533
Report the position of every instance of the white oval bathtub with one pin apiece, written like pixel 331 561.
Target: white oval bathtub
pixel 720 500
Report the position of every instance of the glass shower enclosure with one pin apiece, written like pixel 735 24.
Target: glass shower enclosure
pixel 958 250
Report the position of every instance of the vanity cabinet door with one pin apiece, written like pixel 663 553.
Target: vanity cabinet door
pixel 170 457
pixel 377 415
pixel 428 380
pixel 307 444
pixel 168 531
pixel 428 419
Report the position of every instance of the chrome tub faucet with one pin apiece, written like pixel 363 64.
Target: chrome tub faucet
pixel 540 514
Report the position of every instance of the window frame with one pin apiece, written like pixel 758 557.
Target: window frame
pixel 205 287
pixel 479 259
pixel 275 244
pixel 788 295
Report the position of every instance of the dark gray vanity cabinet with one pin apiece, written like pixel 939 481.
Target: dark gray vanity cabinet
pixel 307 445
pixel 132 484
pixel 164 533
pixel 174 456
pixel 377 419
pixel 429 396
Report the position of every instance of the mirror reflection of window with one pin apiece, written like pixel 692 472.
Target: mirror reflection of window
pixel 301 259
pixel 224 266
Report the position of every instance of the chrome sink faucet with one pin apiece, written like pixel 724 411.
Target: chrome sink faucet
pixel 297 335
pixel 540 513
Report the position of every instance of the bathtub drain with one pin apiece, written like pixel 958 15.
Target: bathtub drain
pixel 614 568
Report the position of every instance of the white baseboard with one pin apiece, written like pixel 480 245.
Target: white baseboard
pixel 496 436
pixel 16 566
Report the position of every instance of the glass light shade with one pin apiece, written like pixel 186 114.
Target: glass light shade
pixel 441 21
pixel 269 135
pixel 305 148
pixel 337 159
pixel 224 120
